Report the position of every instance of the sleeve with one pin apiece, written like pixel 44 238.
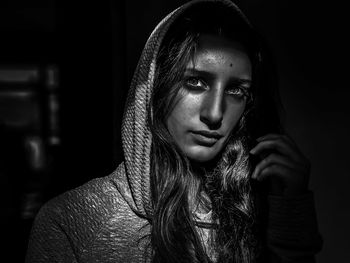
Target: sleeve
pixel 292 229
pixel 48 241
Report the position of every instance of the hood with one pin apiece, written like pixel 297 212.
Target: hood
pixel 134 183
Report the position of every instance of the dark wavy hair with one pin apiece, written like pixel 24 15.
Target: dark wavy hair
pixel 226 188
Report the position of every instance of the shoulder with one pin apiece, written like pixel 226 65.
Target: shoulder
pixel 88 205
pixel 78 215
pixel 82 224
pixel 97 194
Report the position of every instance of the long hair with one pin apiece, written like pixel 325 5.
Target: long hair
pixel 174 235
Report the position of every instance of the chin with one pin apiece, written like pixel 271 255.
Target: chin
pixel 202 155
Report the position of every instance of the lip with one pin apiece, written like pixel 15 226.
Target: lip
pixel 209 134
pixel 206 138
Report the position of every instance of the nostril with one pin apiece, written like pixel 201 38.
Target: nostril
pixel 214 126
pixel 213 123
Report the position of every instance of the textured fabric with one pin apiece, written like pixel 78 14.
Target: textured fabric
pixel 292 228
pixel 105 220
pixel 92 223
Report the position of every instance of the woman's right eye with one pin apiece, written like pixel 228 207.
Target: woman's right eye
pixel 194 83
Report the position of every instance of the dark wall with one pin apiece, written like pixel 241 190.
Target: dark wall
pixel 309 45
pixel 96 48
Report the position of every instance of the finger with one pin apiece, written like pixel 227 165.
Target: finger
pixel 277 145
pixel 279 170
pixel 289 184
pixel 268 136
pixel 273 136
pixel 273 159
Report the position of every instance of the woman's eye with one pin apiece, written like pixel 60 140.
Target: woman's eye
pixel 236 91
pixel 194 82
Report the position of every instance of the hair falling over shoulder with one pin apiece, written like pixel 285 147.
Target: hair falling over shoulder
pixel 174 235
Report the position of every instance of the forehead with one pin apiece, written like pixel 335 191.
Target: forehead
pixel 218 54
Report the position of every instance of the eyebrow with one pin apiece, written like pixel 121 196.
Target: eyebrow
pixel 212 76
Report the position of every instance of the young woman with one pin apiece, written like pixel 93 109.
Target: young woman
pixel 208 174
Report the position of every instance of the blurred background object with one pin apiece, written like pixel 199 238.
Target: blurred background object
pixel 65 68
pixel 57 110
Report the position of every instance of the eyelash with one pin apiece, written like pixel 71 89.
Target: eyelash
pixel 202 85
pixel 190 85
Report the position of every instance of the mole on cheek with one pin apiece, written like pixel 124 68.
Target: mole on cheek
pixel 231 65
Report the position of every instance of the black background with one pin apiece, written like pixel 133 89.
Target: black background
pixel 96 47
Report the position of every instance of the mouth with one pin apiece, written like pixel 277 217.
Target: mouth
pixel 209 134
pixel 206 138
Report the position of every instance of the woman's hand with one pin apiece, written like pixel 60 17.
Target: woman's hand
pixel 282 164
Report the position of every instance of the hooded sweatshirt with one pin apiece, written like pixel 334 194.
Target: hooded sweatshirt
pixel 105 220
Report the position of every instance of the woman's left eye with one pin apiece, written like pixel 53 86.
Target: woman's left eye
pixel 237 91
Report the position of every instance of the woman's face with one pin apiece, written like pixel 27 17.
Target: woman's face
pixel 211 101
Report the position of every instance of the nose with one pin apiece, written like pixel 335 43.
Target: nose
pixel 213 108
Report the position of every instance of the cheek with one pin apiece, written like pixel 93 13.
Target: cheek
pixel 181 116
pixel 184 111
pixel 233 114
